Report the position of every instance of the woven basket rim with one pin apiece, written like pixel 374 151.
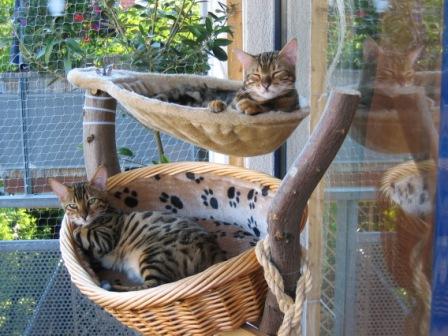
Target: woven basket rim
pixel 402 170
pixel 216 275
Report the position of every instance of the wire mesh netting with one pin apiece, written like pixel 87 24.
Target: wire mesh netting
pixel 41 129
pixel 41 133
pixel 376 256
pixel 37 297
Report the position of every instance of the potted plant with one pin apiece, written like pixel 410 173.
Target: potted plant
pixel 156 36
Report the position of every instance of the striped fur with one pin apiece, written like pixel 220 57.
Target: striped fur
pixel 151 247
pixel 269 82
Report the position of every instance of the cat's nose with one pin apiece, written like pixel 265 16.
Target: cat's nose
pixel 266 83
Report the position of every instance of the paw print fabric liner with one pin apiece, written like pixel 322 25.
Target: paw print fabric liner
pixel 234 210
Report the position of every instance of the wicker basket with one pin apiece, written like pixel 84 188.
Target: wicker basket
pixel 222 297
pixel 228 132
pixel 407 237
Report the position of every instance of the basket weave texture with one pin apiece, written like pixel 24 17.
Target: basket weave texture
pixel 407 240
pixel 221 298
pixel 229 132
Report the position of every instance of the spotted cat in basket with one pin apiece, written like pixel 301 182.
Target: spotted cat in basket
pixel 269 85
pixel 151 247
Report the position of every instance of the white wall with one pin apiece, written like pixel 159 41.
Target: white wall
pixel 258 25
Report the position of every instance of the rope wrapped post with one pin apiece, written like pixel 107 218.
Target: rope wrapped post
pixel 291 199
pixel 99 133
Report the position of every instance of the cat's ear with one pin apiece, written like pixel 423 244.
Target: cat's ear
pixel 245 58
pixel 59 189
pixel 415 54
pixel 99 179
pixel 289 52
pixel 370 49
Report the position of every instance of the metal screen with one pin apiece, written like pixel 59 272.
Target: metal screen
pixel 361 294
pixel 41 137
pixel 37 297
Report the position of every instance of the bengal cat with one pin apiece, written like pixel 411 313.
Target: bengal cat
pixel 269 82
pixel 151 247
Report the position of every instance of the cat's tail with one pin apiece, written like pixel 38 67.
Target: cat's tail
pixel 118 287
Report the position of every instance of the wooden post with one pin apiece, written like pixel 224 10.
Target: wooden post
pixel 99 133
pixel 319 36
pixel 292 196
pixel 234 67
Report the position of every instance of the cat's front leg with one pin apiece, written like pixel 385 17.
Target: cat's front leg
pixel 249 106
pixel 128 288
pixel 84 259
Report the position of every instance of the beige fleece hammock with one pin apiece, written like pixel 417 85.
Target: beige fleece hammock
pixel 229 132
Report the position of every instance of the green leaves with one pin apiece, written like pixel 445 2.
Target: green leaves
pixel 74 46
pixel 124 151
pixel 163 159
pixel 219 53
pixel 219 42
pixel 159 36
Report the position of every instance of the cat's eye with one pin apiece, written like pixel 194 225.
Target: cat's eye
pixel 281 73
pixel 72 206
pixel 254 77
pixel 92 201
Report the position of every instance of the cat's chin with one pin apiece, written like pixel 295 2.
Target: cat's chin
pixel 78 221
pixel 262 95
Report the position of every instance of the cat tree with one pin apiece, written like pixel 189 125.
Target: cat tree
pixel 230 293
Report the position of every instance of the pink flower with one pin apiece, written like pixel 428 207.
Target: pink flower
pixel 78 17
pixel 127 3
pixel 97 9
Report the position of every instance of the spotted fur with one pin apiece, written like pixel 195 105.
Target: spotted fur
pixel 151 248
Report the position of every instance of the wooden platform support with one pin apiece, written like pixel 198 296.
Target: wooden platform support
pixel 296 188
pixel 99 133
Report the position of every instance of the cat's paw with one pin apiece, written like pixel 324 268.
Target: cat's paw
pixel 217 106
pixel 248 107
pixel 162 97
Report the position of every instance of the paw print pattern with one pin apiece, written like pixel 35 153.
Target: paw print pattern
pixel 193 177
pixel 175 202
pixel 252 223
pixel 129 197
pixel 209 199
pixel 265 190
pixel 234 197
pixel 252 198
pixel 253 242
pixel 157 177
pixel 240 234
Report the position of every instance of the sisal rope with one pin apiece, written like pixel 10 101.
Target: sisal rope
pixel 292 310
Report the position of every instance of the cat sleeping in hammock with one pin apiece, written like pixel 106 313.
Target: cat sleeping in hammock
pixel 151 247
pixel 269 82
pixel 269 85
